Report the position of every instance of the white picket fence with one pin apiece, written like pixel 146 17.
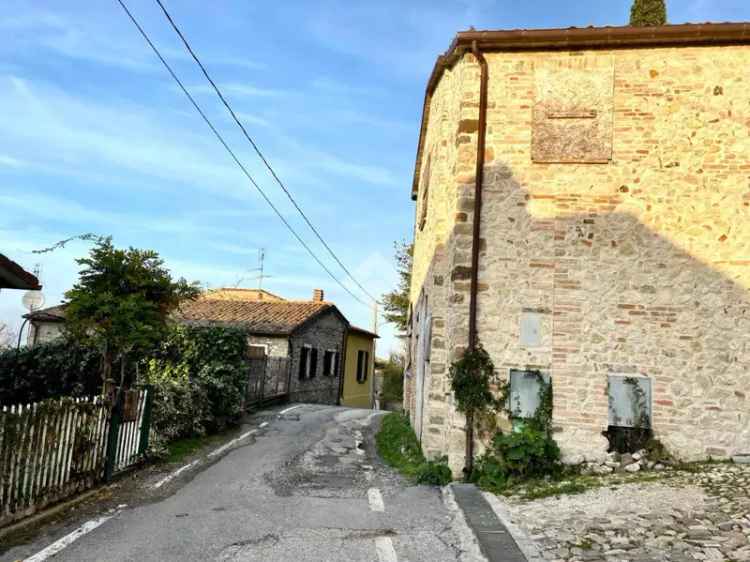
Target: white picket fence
pixel 129 448
pixel 53 449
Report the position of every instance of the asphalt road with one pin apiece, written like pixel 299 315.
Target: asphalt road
pixel 306 487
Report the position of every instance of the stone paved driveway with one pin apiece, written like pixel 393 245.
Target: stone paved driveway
pixel 682 517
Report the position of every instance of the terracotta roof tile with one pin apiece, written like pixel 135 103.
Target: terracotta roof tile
pixel 268 318
pixel 237 294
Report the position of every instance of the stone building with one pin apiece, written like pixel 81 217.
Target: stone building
pixel 605 241
pixel 45 324
pixel 299 343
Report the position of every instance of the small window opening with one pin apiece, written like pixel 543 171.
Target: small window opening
pixel 629 428
pixel 363 362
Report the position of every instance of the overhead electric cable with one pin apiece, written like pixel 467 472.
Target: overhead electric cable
pixel 232 154
pixel 257 149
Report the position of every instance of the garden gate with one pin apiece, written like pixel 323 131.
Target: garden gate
pixel 268 379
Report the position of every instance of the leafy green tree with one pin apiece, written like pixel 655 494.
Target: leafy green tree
pixel 396 303
pixel 121 304
pixel 648 12
pixel 393 379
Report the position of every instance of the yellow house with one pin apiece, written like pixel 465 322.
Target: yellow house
pixel 359 364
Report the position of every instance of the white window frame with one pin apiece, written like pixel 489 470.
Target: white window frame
pixel 307 359
pixel 334 362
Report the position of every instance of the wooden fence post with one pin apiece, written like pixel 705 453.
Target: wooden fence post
pixel 113 437
pixel 146 422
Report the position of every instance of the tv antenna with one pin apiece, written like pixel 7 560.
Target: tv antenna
pixel 33 300
pixel 260 269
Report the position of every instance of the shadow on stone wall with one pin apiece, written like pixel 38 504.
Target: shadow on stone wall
pixel 615 297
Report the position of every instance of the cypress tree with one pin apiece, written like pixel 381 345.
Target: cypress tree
pixel 648 12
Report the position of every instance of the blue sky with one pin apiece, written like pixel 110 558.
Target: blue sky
pixel 95 137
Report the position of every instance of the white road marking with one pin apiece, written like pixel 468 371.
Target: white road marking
pixel 385 550
pixel 282 412
pixel 376 499
pixel 175 474
pixel 264 424
pixel 69 539
pixel 233 442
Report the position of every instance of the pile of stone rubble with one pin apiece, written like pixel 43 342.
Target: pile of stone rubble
pixel 683 517
pixel 626 462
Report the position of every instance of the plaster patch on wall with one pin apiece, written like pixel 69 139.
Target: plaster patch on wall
pixel 531 329
pixel 573 110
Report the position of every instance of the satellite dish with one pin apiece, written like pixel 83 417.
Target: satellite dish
pixel 33 300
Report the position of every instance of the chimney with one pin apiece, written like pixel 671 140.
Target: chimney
pixel 317 295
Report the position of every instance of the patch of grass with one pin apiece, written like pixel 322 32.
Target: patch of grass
pixel 558 489
pixel 398 446
pixel 181 448
pixel 699 466
pixel 573 483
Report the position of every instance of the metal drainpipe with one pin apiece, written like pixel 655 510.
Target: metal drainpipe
pixel 479 177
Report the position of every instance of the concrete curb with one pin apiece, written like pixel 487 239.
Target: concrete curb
pixel 495 540
pixel 49 512
pixel 471 552
pixel 527 545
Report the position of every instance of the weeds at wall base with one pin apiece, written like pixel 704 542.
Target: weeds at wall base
pixel 398 446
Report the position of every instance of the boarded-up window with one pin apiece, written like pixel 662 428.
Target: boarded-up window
pixel 425 189
pixel 629 401
pixel 531 329
pixel 256 351
pixel 573 110
pixel 526 387
pixel 363 362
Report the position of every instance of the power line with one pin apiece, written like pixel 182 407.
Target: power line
pixel 257 150
pixel 231 152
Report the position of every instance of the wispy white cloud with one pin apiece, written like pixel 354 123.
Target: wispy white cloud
pixel 11 162
pixel 228 60
pixel 42 208
pixel 249 118
pixel 241 90
pixel 100 39
pixel 121 137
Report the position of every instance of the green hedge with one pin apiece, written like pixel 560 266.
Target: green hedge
pixel 50 370
pixel 199 377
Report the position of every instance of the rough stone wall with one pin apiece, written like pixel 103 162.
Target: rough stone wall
pixel 276 346
pixel 326 332
pixel 431 271
pixel 639 265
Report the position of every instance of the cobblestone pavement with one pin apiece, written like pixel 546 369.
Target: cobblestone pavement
pixel 680 517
